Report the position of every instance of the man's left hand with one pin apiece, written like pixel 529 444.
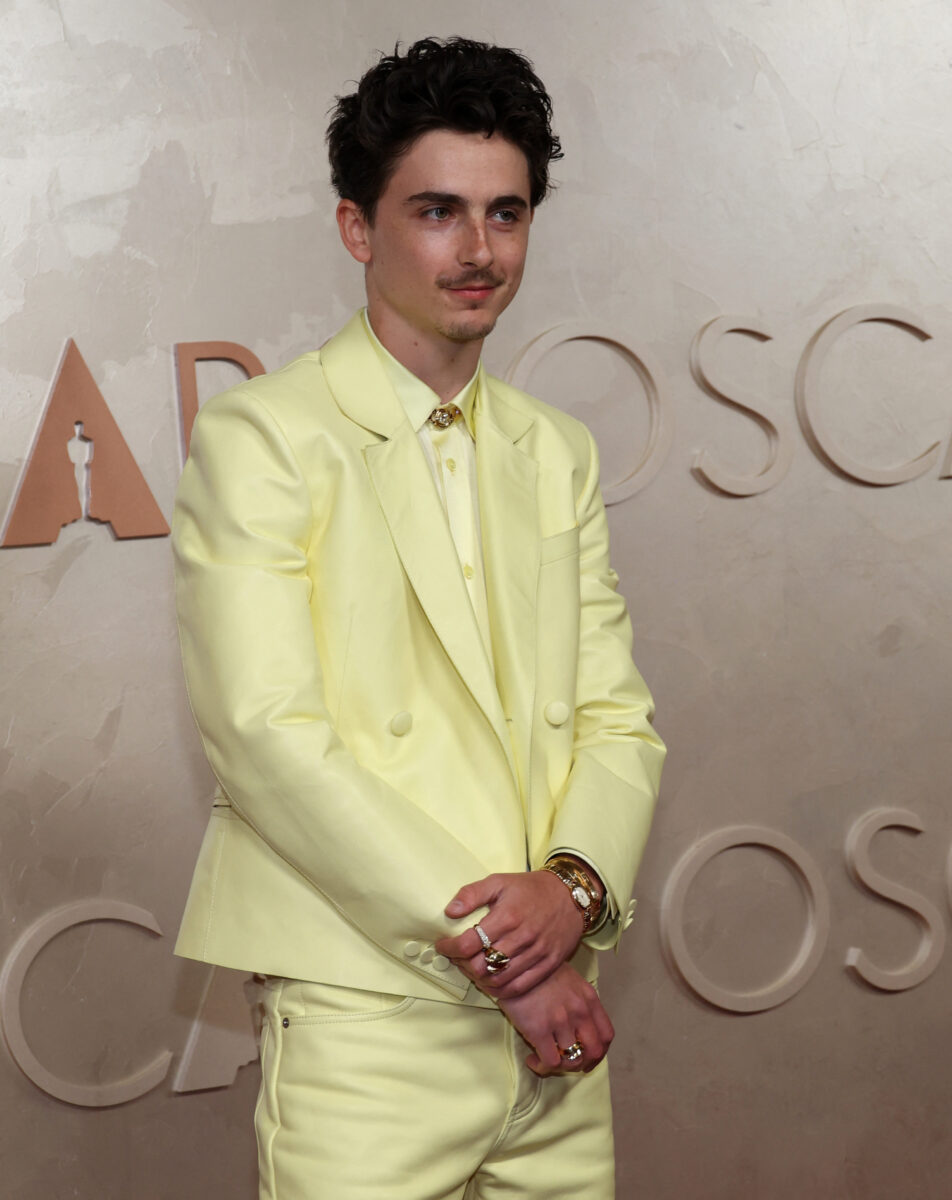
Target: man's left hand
pixel 532 918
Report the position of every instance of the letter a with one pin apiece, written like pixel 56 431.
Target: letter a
pixel 47 498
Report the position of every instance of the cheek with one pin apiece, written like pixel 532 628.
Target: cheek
pixel 514 255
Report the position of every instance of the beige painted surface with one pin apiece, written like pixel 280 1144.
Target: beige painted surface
pixel 164 181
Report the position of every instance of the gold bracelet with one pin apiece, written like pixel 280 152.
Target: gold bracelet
pixel 583 892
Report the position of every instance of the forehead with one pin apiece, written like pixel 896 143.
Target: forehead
pixel 466 164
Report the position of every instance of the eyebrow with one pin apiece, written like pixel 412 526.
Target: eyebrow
pixel 452 200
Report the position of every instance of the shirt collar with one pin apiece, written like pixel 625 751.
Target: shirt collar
pixel 417 398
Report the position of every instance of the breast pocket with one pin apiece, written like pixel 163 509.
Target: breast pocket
pixel 559 545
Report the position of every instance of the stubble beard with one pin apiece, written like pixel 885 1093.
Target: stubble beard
pixel 464 331
pixel 457 331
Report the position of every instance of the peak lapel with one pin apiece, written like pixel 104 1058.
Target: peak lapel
pixel 408 498
pixel 510 529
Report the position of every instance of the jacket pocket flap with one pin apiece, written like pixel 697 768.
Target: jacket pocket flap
pixel 559 545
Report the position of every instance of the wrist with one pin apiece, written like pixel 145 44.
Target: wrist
pixel 583 886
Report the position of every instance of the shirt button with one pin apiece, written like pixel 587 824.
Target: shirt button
pixel 451 464
pixel 412 949
pixel 441 963
pixel 468 571
pixel 428 955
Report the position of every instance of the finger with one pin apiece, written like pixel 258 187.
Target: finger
pixel 466 965
pixel 566 1036
pixel 534 1063
pixel 547 1052
pixel 593 1046
pixel 602 1022
pixel 472 896
pixel 500 979
pixel 463 945
pixel 521 977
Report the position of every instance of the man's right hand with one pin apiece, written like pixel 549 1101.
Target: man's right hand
pixel 558 1012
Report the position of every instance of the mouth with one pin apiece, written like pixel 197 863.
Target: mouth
pixel 473 292
pixel 472 289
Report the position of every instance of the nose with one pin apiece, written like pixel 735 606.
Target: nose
pixel 475 250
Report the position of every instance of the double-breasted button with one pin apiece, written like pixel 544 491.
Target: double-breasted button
pixel 401 724
pixel 428 955
pixel 556 712
pixel 412 949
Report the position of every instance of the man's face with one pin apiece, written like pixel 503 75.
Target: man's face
pixel 446 251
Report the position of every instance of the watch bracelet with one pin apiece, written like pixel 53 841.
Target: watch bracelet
pixel 567 871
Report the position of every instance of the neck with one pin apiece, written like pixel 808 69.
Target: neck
pixel 444 366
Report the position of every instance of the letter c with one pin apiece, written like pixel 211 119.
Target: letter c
pixel 21 957
pixel 807 391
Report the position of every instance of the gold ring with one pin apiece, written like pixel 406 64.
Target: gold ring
pixel 573 1053
pixel 496 960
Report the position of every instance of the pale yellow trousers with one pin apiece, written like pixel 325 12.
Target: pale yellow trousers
pixel 367 1096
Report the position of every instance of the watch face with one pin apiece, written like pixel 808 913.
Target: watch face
pixel 581 896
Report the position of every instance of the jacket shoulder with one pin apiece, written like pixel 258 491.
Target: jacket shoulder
pixel 549 420
pixel 298 384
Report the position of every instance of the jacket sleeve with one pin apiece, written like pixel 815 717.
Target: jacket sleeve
pixel 604 813
pixel 243 521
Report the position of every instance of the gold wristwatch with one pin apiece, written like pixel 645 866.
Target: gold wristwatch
pixel 581 889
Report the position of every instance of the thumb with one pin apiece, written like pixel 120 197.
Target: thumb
pixel 470 897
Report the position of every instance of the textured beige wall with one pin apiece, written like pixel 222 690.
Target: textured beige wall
pixel 164 180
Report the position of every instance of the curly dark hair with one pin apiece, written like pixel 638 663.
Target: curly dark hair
pixel 454 83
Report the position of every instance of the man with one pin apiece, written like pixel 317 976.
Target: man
pixel 412 672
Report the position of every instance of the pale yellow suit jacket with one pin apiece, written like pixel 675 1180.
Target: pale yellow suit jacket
pixel 370 759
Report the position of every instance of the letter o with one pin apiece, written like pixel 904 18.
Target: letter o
pixel 807 958
pixel 661 433
pixel 21 957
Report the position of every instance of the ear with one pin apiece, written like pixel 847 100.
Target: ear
pixel 354 229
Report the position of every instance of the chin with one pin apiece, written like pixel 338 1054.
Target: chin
pixel 468 331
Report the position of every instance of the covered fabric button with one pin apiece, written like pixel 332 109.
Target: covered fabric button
pixel 428 955
pixel 412 949
pixel 401 723
pixel 440 963
pixel 556 712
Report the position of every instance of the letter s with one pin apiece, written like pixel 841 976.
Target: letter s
pixel 932 942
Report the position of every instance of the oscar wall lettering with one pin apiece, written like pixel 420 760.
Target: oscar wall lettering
pixel 661 433
pixel 187 354
pixel 779 438
pixel 80 467
pixel 817 926
pixel 221 1039
pixel 809 408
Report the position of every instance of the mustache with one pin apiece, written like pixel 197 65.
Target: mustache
pixel 481 278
